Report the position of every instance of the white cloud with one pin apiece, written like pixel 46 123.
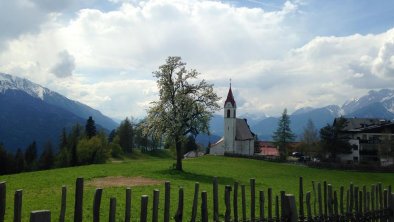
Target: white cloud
pixel 112 55
pixel 64 66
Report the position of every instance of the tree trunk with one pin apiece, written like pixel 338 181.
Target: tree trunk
pixel 178 146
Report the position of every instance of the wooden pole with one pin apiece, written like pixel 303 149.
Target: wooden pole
pixel 261 201
pixel 290 208
pixel 204 207
pixel 329 200
pixel 277 208
pixel 112 209
pixel 144 208
pixel 269 204
pixel 78 200
pixel 235 201
pixel 179 213
pixel 18 206
pixel 301 199
pixel 40 216
pixel 308 206
pixel 63 202
pixel 341 200
pixel 252 199
pixel 195 202
pixel 127 214
pixel 227 201
pixel 243 202
pixel 96 205
pixel 319 200
pixel 325 198
pixel 155 211
pixel 2 200
pixel 215 199
pixel 167 201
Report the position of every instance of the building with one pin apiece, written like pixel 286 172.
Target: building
pixel 371 140
pixel 237 138
pixel 268 149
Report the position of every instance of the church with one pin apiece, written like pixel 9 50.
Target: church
pixel 238 138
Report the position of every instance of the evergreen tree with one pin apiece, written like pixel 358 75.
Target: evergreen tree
pixel 63 139
pixel 331 139
pixel 47 157
pixel 3 160
pixel 283 134
pixel 125 133
pixel 74 137
pixel 111 136
pixel 20 163
pixel 90 128
pixel 31 156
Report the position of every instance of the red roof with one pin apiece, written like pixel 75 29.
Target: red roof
pixel 268 149
pixel 230 98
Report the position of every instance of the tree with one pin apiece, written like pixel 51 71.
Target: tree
pixel 31 156
pixel 90 128
pixel 185 105
pixel 190 144
pixel 47 157
pixel 20 163
pixel 332 141
pixel 283 134
pixel 310 138
pixel 125 133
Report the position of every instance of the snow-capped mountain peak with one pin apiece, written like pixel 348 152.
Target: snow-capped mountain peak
pixel 9 82
pixel 383 96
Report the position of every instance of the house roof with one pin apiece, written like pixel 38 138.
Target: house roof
pixel 242 131
pixel 230 98
pixel 362 124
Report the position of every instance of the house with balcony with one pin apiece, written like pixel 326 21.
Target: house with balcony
pixel 372 140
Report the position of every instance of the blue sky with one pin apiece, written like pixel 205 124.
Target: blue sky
pixel 280 54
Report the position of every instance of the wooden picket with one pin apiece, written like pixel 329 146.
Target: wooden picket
pixel 359 204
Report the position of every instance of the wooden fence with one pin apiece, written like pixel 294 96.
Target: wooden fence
pixel 353 203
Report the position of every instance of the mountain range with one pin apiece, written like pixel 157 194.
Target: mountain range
pixel 30 112
pixel 375 104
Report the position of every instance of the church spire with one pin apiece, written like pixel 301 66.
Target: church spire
pixel 230 97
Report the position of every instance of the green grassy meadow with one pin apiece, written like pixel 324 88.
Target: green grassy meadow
pixel 42 189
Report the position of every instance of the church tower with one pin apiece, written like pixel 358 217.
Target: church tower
pixel 229 122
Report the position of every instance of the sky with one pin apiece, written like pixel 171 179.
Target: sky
pixel 279 54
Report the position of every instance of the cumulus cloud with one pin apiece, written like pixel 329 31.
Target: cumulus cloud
pixel 272 64
pixel 65 65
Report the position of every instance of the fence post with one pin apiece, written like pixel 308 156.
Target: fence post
pixel 325 199
pixel 227 201
pixel 2 200
pixel 301 199
pixel 128 205
pixel 97 204
pixel 63 204
pixel 215 199
pixel 282 206
pixel 243 203
pixel 204 207
pixel 155 214
pixel 179 213
pixel 18 206
pixel 195 202
pixel 167 201
pixel 269 204
pixel 235 201
pixel 78 200
pixel 252 199
pixel 40 216
pixel 144 208
pixel 319 200
pixel 391 207
pixel 308 206
pixel 277 216
pixel 261 205
pixel 329 200
pixel 290 208
pixel 341 200
pixel 112 209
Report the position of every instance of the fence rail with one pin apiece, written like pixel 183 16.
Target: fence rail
pixel 353 203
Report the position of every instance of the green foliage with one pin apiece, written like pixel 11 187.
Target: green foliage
pixel 47 158
pixel 125 134
pixel 331 140
pixel 31 156
pixel 116 150
pixel 90 128
pixel 185 105
pixel 93 150
pixel 283 134
pixel 20 163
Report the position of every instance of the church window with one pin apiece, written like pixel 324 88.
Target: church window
pixel 228 113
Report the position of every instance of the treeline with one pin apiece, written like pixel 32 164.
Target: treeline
pixel 80 146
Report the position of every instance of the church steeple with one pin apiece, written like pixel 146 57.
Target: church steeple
pixel 230 98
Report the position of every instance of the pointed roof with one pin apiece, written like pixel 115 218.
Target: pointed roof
pixel 230 98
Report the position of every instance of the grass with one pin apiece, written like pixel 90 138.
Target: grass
pixel 42 189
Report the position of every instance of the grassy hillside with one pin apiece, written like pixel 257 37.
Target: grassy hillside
pixel 42 190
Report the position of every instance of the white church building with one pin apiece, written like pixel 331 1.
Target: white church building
pixel 238 138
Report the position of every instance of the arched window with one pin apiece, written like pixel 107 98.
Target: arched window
pixel 234 114
pixel 228 113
